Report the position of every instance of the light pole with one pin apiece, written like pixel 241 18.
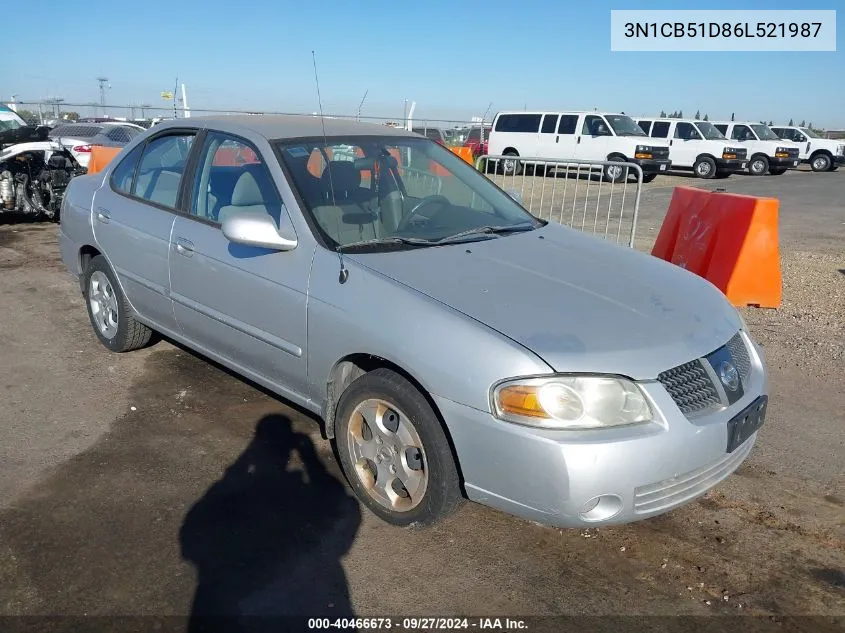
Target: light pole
pixel 103 83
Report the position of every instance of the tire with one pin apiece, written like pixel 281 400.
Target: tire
pixel 833 167
pixel 110 314
pixel 758 166
pixel 704 167
pixel 430 489
pixel 616 173
pixel 649 177
pixel 511 167
pixel 820 162
pixel 777 171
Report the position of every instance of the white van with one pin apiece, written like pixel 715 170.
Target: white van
pixel 697 145
pixel 822 154
pixel 577 136
pixel 766 152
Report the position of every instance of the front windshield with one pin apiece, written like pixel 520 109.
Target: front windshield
pixel 624 125
pixel 764 133
pixel 709 131
pixel 810 132
pixel 390 192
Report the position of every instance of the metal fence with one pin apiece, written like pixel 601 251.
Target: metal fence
pixel 599 197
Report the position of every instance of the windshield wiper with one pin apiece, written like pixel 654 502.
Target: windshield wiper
pixel 485 230
pixel 385 241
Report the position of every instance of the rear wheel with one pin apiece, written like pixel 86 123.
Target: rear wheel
pixel 511 166
pixel 820 162
pixel 758 166
pixel 394 451
pixel 704 167
pixel 110 313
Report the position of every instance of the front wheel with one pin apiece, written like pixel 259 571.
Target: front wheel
pixel 649 177
pixel 394 451
pixel 705 167
pixel 777 171
pixel 511 166
pixel 758 166
pixel 821 162
pixel 110 313
pixel 616 173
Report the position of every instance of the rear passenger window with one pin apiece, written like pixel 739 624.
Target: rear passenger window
pixel 549 122
pixel 161 169
pixel 124 173
pixel 568 124
pixel 518 123
pixel 660 129
pixel 644 125
pixel 686 131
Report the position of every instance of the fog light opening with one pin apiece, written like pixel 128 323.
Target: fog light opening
pixel 601 508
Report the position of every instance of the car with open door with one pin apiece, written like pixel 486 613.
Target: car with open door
pixel 452 344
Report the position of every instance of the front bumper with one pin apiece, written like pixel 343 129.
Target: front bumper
pixel 638 471
pixel 783 162
pixel 652 165
pixel 731 165
pixel 839 160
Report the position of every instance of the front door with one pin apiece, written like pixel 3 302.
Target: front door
pixel 242 304
pixel 686 144
pixel 592 142
pixel 133 217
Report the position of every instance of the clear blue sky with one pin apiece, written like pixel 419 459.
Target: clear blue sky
pixel 452 57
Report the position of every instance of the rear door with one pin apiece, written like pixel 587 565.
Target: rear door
pixel 244 305
pixel 547 143
pixel 567 126
pixel 133 215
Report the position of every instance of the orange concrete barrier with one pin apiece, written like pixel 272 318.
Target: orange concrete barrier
pixel 729 239
pixel 100 157
pixel 465 153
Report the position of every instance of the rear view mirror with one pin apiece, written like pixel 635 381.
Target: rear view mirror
pixel 258 229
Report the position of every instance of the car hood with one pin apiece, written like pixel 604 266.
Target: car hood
pixel 579 302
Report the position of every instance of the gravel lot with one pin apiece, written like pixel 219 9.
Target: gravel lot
pixel 145 483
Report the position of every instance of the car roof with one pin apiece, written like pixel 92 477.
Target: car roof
pixel 558 112
pixel 284 126
pixel 668 120
pixel 738 122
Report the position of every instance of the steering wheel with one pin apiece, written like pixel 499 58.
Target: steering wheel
pixel 435 199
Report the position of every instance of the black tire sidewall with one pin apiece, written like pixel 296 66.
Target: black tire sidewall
pixel 763 172
pixel 443 491
pixel 517 166
pixel 117 343
pixel 824 156
pixel 622 176
pixel 709 161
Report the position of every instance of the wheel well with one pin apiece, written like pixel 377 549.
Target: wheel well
pixel 512 150
pixel 354 366
pixel 822 151
pixel 617 156
pixel 86 254
pixel 700 156
pixel 758 155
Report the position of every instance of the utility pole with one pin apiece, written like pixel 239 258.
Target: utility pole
pixel 361 105
pixel 103 83
pixel 144 107
pixel 175 92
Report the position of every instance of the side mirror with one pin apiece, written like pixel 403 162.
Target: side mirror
pixel 258 229
pixel 516 195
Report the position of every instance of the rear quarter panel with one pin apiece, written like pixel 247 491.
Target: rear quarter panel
pixel 75 229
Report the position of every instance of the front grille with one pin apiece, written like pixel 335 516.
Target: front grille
pixel 792 151
pixel 672 492
pixel 659 153
pixel 742 361
pixel 740 152
pixel 690 387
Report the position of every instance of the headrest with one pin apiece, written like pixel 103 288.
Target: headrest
pixel 342 175
pixel 247 191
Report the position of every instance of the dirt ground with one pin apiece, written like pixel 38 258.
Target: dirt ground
pixel 156 483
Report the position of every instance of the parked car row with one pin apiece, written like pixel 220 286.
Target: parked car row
pixel 707 149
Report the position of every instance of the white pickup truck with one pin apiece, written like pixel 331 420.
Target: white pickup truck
pixel 822 154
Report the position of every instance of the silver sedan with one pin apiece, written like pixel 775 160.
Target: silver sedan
pixel 454 345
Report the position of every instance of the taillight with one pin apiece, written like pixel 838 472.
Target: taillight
pixel 82 149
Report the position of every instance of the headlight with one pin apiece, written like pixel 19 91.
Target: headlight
pixel 643 149
pixel 571 402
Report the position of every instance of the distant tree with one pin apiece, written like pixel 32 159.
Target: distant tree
pixel 803 124
pixel 771 123
pixel 69 116
pixel 28 115
pixel 732 116
pixel 663 114
pixel 706 117
pixel 698 115
pixel 680 114
pixel 790 122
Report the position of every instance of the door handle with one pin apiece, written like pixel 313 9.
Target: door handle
pixel 103 215
pixel 557 139
pixel 671 142
pixel 184 247
pixel 578 140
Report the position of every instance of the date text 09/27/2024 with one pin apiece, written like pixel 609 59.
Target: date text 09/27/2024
pixel 722 29
pixel 418 624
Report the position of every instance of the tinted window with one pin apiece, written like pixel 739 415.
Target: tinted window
pixel 549 122
pixel 161 168
pixel 595 126
pixel 119 135
pixel 568 124
pixel 121 177
pixel 644 125
pixel 687 131
pixel 660 129
pixel 518 123
pixel 721 127
pixel 741 133
pixel 232 178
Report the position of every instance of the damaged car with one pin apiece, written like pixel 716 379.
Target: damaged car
pixel 34 171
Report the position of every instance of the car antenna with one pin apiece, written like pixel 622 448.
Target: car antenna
pixel 344 272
